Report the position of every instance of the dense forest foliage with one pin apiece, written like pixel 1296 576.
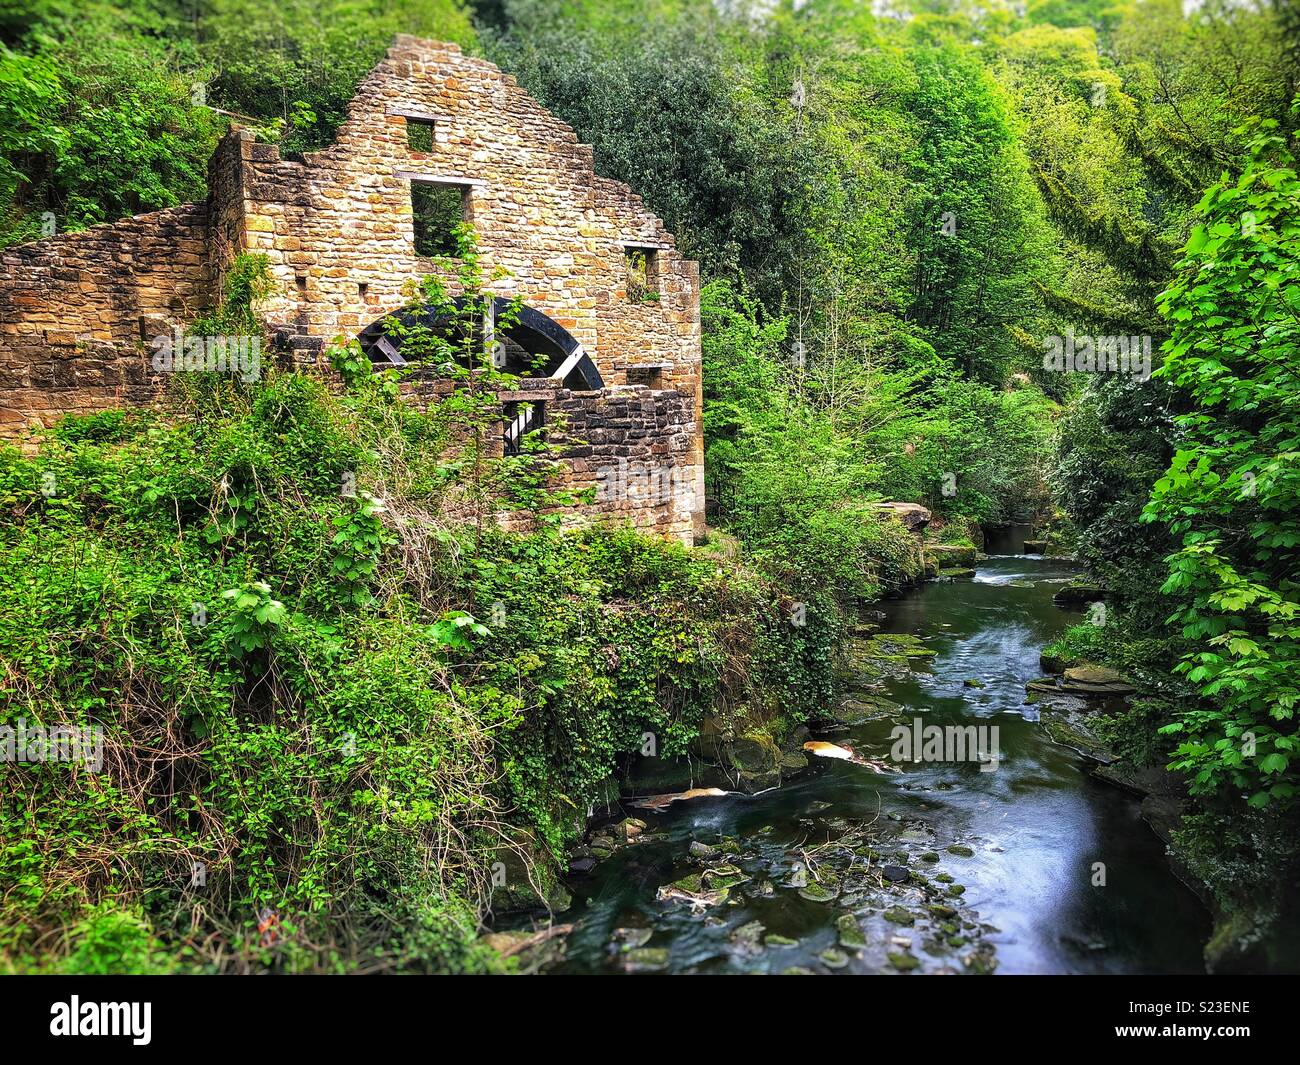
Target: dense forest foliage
pixel 901 211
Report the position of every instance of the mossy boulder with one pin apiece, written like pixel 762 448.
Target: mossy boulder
pixel 850 933
pixel 1079 594
pixel 1055 664
pixel 1090 679
pixel 525 877
pixel 960 554
pixel 724 876
pixel 913 516
pixel 756 760
pixel 815 892
pixel 859 707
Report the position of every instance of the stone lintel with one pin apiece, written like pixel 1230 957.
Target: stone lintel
pixel 439 179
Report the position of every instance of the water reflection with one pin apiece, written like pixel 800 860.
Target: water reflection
pixel 1037 827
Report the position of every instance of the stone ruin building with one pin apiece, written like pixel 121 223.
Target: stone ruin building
pixel 432 137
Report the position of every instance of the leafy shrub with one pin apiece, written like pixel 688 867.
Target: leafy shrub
pixel 1229 494
pixel 334 707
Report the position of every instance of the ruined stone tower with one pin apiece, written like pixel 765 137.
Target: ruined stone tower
pixel 611 307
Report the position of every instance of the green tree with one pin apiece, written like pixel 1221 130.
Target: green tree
pixel 676 117
pixel 295 65
pixel 96 126
pixel 1232 491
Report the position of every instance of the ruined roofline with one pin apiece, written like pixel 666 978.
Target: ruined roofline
pixel 91 232
pixel 406 48
pixel 581 157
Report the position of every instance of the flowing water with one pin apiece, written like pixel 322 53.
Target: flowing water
pixel 1036 829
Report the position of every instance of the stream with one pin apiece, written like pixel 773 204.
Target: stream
pixel 941 867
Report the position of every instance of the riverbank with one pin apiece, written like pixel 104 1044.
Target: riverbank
pixel 1113 720
pixel 339 727
pixel 939 867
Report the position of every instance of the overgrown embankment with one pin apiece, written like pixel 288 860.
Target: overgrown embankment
pixel 1199 546
pixel 325 708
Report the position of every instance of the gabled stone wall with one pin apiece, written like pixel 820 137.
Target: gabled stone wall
pixel 337 228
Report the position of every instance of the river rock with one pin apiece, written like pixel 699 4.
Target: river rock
pixel 756 760
pixel 724 876
pixel 859 707
pixel 529 880
pixel 850 933
pixel 1069 726
pixel 792 764
pixel 952 555
pixel 748 938
pixel 885 655
pixel 629 829
pixel 646 960
pixel 792 760
pixel 534 951
pixel 913 516
pixel 1079 595
pixel 629 939
pixel 815 892
pixel 1054 664
pixel 1091 679
pixel 691 883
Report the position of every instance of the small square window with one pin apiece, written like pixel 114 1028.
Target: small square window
pixel 520 420
pixel 642 274
pixel 436 211
pixel 419 134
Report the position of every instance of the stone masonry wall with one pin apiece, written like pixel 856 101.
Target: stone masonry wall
pixel 632 445
pixel 337 228
pixel 636 447
pixel 76 308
